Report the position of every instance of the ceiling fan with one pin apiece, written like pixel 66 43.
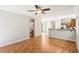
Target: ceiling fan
pixel 39 10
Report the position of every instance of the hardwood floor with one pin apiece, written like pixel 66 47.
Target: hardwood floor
pixel 41 44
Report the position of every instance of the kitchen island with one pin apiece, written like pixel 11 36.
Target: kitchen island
pixel 63 34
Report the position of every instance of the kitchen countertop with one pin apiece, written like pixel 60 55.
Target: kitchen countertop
pixel 63 29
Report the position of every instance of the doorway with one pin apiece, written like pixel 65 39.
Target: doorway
pixel 32 28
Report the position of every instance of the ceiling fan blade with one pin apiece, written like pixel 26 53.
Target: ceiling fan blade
pixel 43 12
pixel 47 9
pixel 31 10
pixel 36 6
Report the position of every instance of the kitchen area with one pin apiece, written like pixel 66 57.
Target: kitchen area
pixel 63 29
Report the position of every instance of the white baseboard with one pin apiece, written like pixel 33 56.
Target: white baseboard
pixel 13 42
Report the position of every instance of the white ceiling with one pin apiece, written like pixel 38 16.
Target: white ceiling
pixel 56 10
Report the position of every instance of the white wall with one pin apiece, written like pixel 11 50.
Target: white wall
pixel 38 26
pixel 77 33
pixel 46 26
pixel 76 12
pixel 13 27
